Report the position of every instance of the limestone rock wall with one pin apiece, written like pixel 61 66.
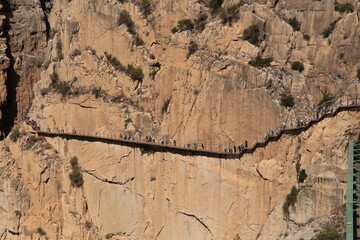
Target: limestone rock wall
pixel 127 195
pixel 215 97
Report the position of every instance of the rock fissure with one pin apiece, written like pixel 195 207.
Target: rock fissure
pixel 90 172
pixel 124 156
pixel 82 106
pixel 198 219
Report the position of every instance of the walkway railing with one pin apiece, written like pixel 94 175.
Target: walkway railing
pixel 353 192
pixel 344 103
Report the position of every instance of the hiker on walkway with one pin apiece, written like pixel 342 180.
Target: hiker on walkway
pixel 174 142
pixel 246 144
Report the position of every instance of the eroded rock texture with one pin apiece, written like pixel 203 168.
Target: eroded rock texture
pixel 55 61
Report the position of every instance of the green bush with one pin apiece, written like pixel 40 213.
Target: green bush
pixel 74 161
pixel 215 4
pixel 252 34
pixel 298 66
pixel 138 41
pixel 344 7
pixel 326 33
pixel 97 91
pixel 290 201
pixel 327 230
pixel 193 47
pixel 302 176
pixel 200 22
pixel 230 14
pixel 59 50
pixel 144 7
pixel 174 30
pixel 41 231
pixel 44 91
pixel 76 52
pixel 15 135
pixel 306 37
pixel 75 175
pixel 88 225
pixel 125 18
pixel 114 62
pixel 185 24
pixel 261 62
pixel 326 98
pixel 54 77
pixel 165 106
pixel 135 73
pixel 146 150
pixel 63 88
pixel 295 24
pixel 287 100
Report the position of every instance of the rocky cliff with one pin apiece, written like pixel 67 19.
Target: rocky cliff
pixel 184 70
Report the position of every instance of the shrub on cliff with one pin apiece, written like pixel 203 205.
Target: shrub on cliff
pixel 97 91
pixel 193 47
pixel 165 106
pixel 200 22
pixel 15 135
pixel 41 231
pixel 252 34
pixel 326 98
pixel 230 14
pixel 295 24
pixel 328 231
pixel 75 175
pixel 125 18
pixel 185 24
pixel 290 201
pixel 287 100
pixel 298 66
pixel 214 5
pixel 326 33
pixel 261 62
pixel 75 53
pixel 114 62
pixel 135 73
pixel 344 7
pixel 302 176
pixel 144 7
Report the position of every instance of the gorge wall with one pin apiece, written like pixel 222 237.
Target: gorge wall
pixel 55 65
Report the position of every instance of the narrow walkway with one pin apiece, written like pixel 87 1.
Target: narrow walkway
pixel 148 147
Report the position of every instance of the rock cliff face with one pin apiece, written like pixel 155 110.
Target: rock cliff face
pixel 65 61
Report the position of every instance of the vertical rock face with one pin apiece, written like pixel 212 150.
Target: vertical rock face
pixel 25 30
pixel 167 196
pixel 5 62
pixel 73 64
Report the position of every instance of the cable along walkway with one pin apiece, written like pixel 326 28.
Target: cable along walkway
pixel 350 105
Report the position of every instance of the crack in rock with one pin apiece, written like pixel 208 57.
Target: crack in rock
pixel 106 180
pixel 83 106
pixel 201 222
pixel 125 156
pixel 264 178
